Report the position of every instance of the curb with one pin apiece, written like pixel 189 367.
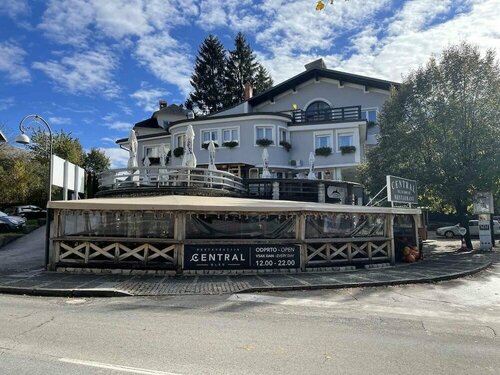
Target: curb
pixel 43 292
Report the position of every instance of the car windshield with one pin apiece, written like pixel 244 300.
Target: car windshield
pixel 2 214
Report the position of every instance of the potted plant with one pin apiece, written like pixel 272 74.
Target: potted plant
pixel 293 163
pixel 323 151
pixel 370 124
pixel 205 145
pixel 286 145
pixel 264 142
pixel 178 152
pixel 230 144
pixel 347 149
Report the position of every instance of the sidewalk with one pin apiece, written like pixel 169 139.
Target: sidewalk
pixel 442 263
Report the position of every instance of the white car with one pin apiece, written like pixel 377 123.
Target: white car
pixel 454 230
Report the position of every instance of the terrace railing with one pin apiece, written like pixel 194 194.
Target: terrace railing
pixel 170 177
pixel 333 114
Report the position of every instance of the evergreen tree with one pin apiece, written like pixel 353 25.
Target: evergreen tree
pixel 241 68
pixel 263 80
pixel 208 77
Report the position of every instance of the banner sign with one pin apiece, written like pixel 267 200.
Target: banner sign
pixel 485 240
pixel 401 190
pixel 234 257
pixel 483 203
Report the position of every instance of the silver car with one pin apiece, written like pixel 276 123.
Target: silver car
pixel 454 230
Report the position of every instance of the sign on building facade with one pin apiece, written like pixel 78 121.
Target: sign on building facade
pixel 401 190
pixel 233 257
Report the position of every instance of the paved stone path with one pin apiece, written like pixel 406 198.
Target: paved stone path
pixel 436 267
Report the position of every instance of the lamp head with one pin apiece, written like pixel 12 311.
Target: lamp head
pixel 23 139
pixel 3 138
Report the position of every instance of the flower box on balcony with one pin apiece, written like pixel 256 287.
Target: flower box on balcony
pixel 370 124
pixel 264 142
pixel 347 149
pixel 323 151
pixel 230 144
pixel 205 145
pixel 287 146
pixel 178 152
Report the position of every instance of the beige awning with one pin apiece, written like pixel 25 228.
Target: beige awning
pixel 223 204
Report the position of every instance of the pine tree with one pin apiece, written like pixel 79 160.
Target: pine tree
pixel 208 77
pixel 241 68
pixel 263 80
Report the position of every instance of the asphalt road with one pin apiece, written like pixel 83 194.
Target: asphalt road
pixel 445 328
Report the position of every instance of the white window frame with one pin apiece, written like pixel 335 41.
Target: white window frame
pixel 176 138
pixel 212 130
pixel 237 128
pixel 323 133
pixel 343 133
pixel 144 147
pixel 287 135
pixel 366 110
pixel 273 133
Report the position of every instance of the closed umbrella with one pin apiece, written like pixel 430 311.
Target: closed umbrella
pixel 164 150
pixel 189 159
pixel 265 160
pixel 132 141
pixel 311 175
pixel 211 156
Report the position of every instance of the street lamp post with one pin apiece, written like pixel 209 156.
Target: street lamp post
pixel 3 138
pixel 24 139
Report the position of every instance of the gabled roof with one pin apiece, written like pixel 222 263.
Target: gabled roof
pixel 316 73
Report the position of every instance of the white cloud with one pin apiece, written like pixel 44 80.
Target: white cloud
pixel 14 8
pixel 6 103
pixel 148 98
pixel 59 120
pixel 119 125
pixel 108 140
pixel 86 72
pixel 118 157
pixel 12 63
pixel 166 59
pixel 238 15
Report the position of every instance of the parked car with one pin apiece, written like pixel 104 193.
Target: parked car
pixel 452 231
pixel 29 212
pixel 11 223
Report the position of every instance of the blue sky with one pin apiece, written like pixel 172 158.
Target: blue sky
pixel 95 67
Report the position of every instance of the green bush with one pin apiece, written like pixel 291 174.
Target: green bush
pixel 205 145
pixel 230 144
pixel 287 146
pixel 347 149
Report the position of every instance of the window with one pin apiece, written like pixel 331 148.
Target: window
pixel 153 154
pixel 230 135
pixel 264 132
pixel 283 135
pixel 318 111
pixel 209 135
pixel 345 140
pixel 179 140
pixel 322 140
pixel 369 114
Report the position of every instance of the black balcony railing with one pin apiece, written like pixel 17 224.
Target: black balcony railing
pixel 332 114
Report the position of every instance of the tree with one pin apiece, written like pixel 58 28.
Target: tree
pixel 63 145
pixel 263 80
pixel 241 68
pixel 441 128
pixel 95 162
pixel 208 77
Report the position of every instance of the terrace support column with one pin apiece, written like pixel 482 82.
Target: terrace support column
pixel 390 234
pixel 276 190
pixel 321 193
pixel 179 235
pixel 301 236
pixel 416 223
pixel 54 248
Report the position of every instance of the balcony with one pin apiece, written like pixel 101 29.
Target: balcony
pixel 339 114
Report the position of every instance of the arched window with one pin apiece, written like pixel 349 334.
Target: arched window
pixel 317 111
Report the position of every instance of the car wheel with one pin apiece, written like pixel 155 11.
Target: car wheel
pixel 448 234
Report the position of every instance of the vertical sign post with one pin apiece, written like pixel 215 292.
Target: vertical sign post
pixel 483 206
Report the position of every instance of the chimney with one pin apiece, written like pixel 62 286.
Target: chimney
pixel 162 103
pixel 248 90
pixel 316 64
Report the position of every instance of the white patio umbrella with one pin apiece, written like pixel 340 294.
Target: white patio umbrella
pixel 312 159
pixel 189 158
pixel 265 160
pixel 132 141
pixel 211 156
pixel 164 150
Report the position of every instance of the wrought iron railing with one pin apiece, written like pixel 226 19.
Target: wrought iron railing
pixel 173 177
pixel 331 114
